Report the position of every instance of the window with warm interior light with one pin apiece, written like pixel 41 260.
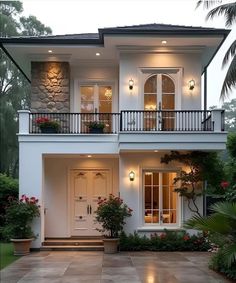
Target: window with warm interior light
pixel 160 199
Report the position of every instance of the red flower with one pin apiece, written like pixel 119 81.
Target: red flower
pixel 186 237
pixel 42 120
pixel 163 236
pixel 224 184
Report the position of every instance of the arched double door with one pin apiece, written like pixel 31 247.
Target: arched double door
pixel 159 102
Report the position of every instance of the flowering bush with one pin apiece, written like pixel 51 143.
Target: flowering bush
pixel 111 214
pixel 44 122
pixel 19 216
pixel 165 241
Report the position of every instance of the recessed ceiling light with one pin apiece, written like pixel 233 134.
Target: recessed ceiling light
pixel 155 150
pixel 49 51
pixel 164 42
pixel 98 54
pixel 89 156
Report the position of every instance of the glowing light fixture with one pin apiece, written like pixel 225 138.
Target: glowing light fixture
pixel 191 84
pixel 163 42
pixel 49 51
pixel 108 93
pixel 89 156
pixel 131 175
pixel 131 84
pixel 98 54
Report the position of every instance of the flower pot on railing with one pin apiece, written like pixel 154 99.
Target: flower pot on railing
pixel 48 130
pixel 48 126
pixel 96 127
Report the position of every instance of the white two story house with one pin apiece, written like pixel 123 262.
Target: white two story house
pixel 144 83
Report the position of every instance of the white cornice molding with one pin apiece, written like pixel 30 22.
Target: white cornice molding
pixel 50 58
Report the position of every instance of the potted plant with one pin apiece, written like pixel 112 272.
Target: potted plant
pixel 111 214
pixel 48 126
pixel 19 216
pixel 96 127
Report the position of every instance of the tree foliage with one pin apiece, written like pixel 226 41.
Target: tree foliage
pixel 14 88
pixel 228 11
pixel 199 167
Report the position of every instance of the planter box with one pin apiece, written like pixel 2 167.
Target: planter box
pixel 96 130
pixel 48 130
pixel 111 245
pixel 21 246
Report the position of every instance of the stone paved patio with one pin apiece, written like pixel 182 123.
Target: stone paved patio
pixel 124 267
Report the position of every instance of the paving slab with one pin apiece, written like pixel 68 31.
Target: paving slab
pixel 97 267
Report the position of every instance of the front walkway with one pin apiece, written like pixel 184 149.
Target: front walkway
pixel 124 267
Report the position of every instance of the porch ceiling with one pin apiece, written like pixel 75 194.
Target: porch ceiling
pixel 23 53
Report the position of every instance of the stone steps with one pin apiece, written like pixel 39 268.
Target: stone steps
pixel 73 244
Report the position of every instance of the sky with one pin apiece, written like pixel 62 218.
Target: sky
pixel 83 16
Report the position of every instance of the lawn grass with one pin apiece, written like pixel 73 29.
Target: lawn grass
pixel 6 255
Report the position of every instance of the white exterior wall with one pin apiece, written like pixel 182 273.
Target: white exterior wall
pixel 132 192
pixel 131 66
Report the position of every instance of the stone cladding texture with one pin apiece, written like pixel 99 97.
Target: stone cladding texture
pixel 50 87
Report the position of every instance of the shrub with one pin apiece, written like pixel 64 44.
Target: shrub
pixel 165 241
pixel 218 265
pixel 19 217
pixel 8 190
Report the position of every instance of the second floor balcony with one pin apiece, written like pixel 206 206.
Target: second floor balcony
pixel 129 130
pixel 128 121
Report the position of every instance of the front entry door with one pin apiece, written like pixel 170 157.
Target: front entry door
pixel 87 188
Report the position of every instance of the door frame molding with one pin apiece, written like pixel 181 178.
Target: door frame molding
pixel 75 103
pixel 69 191
pixel 145 72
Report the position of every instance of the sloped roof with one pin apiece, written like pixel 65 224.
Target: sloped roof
pixel 98 38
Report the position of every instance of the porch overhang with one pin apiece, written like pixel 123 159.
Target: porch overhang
pixel 209 141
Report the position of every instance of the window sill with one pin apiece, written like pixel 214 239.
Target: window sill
pixel 159 229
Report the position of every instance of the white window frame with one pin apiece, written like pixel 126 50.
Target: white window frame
pixel 149 227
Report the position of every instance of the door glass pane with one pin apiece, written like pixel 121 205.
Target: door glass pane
pixel 167 84
pixel 105 106
pixel 87 99
pixel 150 85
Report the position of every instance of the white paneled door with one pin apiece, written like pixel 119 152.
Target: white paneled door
pixel 87 188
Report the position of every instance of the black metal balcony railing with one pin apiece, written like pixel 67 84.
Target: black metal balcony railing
pixel 174 120
pixel 76 123
pixel 129 121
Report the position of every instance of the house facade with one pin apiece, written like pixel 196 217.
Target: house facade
pixel 144 84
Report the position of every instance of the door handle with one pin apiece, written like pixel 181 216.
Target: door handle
pixel 87 209
pixel 90 209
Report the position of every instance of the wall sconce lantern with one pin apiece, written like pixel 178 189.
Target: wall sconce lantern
pixel 131 84
pixel 191 84
pixel 131 175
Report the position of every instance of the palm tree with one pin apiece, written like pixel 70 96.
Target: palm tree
pixel 229 13
pixel 221 225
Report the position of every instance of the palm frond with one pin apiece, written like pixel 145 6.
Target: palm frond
pixel 226 209
pixel 230 52
pixel 229 255
pixel 207 3
pixel 230 80
pixel 214 223
pixel 227 10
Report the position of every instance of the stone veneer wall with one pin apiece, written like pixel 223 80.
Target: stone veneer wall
pixel 50 87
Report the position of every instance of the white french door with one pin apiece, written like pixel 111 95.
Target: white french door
pixel 159 94
pixel 87 188
pixel 161 206
pixel 96 98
